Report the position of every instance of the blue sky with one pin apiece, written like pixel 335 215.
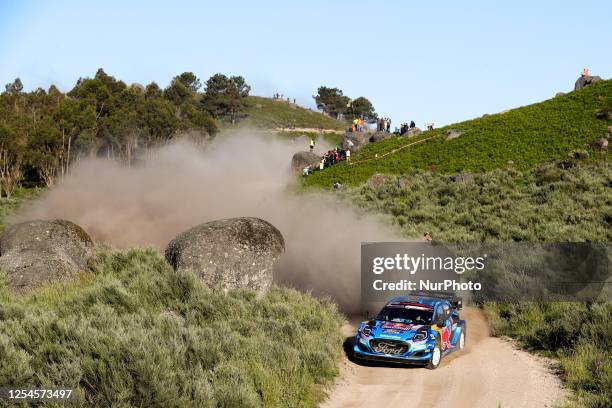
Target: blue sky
pixel 440 63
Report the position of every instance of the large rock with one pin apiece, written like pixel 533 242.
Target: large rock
pixel 303 159
pixel 354 140
pixel 35 253
pixel 585 81
pixel 230 254
pixel 415 131
pixel 378 136
pixel 453 134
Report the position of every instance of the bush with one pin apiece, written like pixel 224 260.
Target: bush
pixel 135 333
pixel 550 203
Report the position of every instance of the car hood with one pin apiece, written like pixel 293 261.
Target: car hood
pixel 394 330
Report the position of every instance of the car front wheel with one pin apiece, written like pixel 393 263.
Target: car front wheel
pixel 436 356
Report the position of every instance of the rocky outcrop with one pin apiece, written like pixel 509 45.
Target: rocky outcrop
pixel 376 181
pixel 229 254
pixel 585 81
pixel 35 253
pixel 354 140
pixel 462 177
pixel 415 131
pixel 378 136
pixel 303 159
pixel 452 134
pixel 601 143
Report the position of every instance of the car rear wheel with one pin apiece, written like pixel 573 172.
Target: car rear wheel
pixel 462 338
pixel 436 356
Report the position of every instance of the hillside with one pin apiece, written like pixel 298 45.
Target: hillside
pixel 525 136
pixel 267 113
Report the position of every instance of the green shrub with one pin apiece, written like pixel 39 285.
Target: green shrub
pixel 502 205
pixel 135 333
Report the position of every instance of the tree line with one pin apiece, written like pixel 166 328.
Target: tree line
pixel 42 132
pixel 334 103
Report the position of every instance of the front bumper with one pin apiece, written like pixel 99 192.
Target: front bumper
pixel 419 353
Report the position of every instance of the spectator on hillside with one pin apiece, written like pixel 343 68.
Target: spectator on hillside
pixel 585 72
pixel 427 237
pixel 348 155
pixel 306 171
pixel 312 144
pixel 412 124
pixel 430 126
pixel 388 125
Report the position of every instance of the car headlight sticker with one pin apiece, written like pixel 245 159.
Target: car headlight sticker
pixel 420 335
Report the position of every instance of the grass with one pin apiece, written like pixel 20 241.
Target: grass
pixel 267 113
pixel 135 333
pixel 525 136
pixel 9 206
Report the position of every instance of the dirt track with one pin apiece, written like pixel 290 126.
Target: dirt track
pixel 490 372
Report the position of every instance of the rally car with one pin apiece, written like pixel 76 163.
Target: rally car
pixel 418 329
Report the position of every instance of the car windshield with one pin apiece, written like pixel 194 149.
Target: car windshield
pixel 403 315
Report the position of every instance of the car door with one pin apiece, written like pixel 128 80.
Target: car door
pixel 444 330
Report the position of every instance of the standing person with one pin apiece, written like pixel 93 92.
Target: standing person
pixel 388 125
pixel 348 155
pixel 312 144
pixel 322 163
pixel 412 124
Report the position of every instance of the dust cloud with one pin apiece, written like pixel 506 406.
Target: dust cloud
pixel 181 185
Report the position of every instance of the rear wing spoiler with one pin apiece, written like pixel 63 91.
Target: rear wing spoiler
pixel 451 297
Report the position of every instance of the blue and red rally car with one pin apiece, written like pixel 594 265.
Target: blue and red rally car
pixel 420 328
